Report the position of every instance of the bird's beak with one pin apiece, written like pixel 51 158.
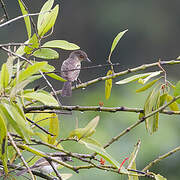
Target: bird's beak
pixel 87 59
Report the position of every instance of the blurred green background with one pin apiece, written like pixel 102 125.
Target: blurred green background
pixel 154 29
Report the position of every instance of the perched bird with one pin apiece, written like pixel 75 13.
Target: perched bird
pixel 43 165
pixel 73 62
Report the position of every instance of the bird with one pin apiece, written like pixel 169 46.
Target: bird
pixel 70 70
pixel 43 165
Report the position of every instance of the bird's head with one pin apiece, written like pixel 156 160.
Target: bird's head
pixel 81 55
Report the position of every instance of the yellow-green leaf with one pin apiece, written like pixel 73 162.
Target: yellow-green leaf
pixel 55 76
pixel 87 131
pixel 33 44
pixel 116 40
pixel 62 44
pixel 153 74
pixel 133 78
pixel 42 96
pixel 48 21
pixel 147 86
pixel 108 85
pixel 177 91
pixel 3 143
pixel 162 99
pixel 26 19
pixel 152 103
pixel 53 128
pixel 46 53
pixel 29 71
pixel 44 12
pixel 96 147
pixel 159 177
pixel 4 76
pixel 173 106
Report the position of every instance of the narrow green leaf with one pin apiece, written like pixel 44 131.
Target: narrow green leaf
pixel 62 44
pixel 48 21
pixel 33 44
pixel 173 106
pixel 3 143
pixel 159 177
pixel 177 91
pixel 4 76
pixel 44 12
pixel 26 19
pixel 46 53
pixel 95 146
pixel 55 76
pixel 41 96
pixel 152 103
pixel 133 78
pixel 29 71
pixel 153 74
pixel 162 99
pixel 53 128
pixel 108 85
pixel 87 131
pixel 147 86
pixel 116 40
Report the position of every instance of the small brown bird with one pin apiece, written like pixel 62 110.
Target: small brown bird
pixel 73 62
pixel 43 165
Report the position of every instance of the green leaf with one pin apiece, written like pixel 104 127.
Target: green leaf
pixel 153 74
pixel 26 19
pixel 48 21
pixel 62 44
pixel 147 86
pixel 177 91
pixel 55 76
pixel 44 12
pixel 152 103
pixel 29 71
pixel 108 85
pixel 159 177
pixel 133 78
pixel 48 68
pixel 53 128
pixel 33 44
pixel 4 76
pixel 46 53
pixel 173 106
pixel 162 99
pixel 42 96
pixel 20 86
pixel 16 120
pixel 3 143
pixel 87 131
pixel 116 40
pixel 95 146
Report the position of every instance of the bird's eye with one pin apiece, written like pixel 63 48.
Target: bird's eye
pixel 81 56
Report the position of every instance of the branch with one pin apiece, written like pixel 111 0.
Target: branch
pixel 139 122
pixel 19 153
pixel 36 109
pixel 139 68
pixel 19 17
pixel 4 9
pixel 161 158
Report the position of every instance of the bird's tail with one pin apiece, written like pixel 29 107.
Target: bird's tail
pixel 66 90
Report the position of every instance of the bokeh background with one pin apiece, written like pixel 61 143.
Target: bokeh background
pixel 154 29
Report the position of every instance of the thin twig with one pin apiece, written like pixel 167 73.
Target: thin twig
pixel 161 158
pixel 20 17
pixel 20 155
pixel 14 44
pixel 4 9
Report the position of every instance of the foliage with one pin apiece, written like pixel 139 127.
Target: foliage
pixel 43 127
